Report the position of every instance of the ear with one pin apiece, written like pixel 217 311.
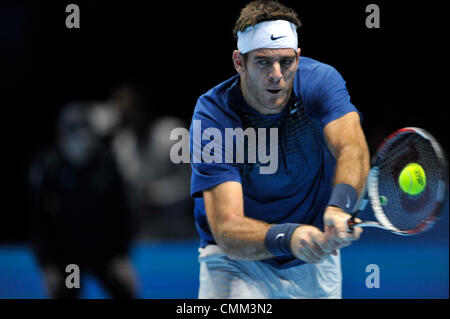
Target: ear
pixel 298 56
pixel 238 61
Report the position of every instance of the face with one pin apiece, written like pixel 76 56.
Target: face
pixel 76 140
pixel 267 77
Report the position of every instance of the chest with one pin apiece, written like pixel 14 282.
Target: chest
pixel 297 156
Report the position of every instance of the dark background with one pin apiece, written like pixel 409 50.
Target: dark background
pixel 174 51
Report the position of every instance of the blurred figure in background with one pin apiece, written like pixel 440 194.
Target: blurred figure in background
pixel 157 190
pixel 162 187
pixel 122 116
pixel 79 214
pixel 124 109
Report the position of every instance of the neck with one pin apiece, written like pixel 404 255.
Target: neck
pixel 260 107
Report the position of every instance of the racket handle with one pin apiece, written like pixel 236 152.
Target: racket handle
pixel 351 223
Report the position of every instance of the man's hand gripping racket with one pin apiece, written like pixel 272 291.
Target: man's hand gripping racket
pixel 407 184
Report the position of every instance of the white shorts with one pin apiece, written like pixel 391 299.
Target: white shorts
pixel 223 278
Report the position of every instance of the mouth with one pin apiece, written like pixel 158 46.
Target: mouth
pixel 274 91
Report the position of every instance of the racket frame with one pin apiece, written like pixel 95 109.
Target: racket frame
pixel 370 192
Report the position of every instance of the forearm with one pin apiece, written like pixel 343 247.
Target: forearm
pixel 352 166
pixel 239 236
pixel 243 238
pixel 348 144
pixel 249 239
pixel 346 140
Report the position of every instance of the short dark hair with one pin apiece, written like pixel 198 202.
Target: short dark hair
pixel 264 10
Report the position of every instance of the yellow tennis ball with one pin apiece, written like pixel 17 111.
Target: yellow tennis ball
pixel 412 179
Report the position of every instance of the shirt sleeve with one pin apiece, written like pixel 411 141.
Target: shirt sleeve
pixel 209 170
pixel 332 97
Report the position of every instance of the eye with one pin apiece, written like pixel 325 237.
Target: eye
pixel 287 63
pixel 262 62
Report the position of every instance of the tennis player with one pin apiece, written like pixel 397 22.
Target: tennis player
pixel 277 235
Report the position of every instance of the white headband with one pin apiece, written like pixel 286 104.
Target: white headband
pixel 276 34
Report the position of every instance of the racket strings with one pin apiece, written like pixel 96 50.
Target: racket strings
pixel 404 211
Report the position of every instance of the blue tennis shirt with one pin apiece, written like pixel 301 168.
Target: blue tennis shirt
pixel 299 190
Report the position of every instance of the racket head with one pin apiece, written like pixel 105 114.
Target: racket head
pixel 395 210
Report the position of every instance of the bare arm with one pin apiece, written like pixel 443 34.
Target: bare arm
pixel 346 141
pixel 243 238
pixel 239 236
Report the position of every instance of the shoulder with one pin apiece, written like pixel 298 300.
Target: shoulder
pixel 46 164
pixel 216 104
pixel 323 90
pixel 315 79
pixel 311 71
pixel 49 158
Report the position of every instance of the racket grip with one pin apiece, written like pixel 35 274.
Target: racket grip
pixel 350 223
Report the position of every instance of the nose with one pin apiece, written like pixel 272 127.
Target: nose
pixel 275 75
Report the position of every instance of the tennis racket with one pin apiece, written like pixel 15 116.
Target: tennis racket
pixel 394 209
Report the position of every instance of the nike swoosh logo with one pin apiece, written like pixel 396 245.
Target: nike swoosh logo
pixel 347 204
pixel 276 38
pixel 279 235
